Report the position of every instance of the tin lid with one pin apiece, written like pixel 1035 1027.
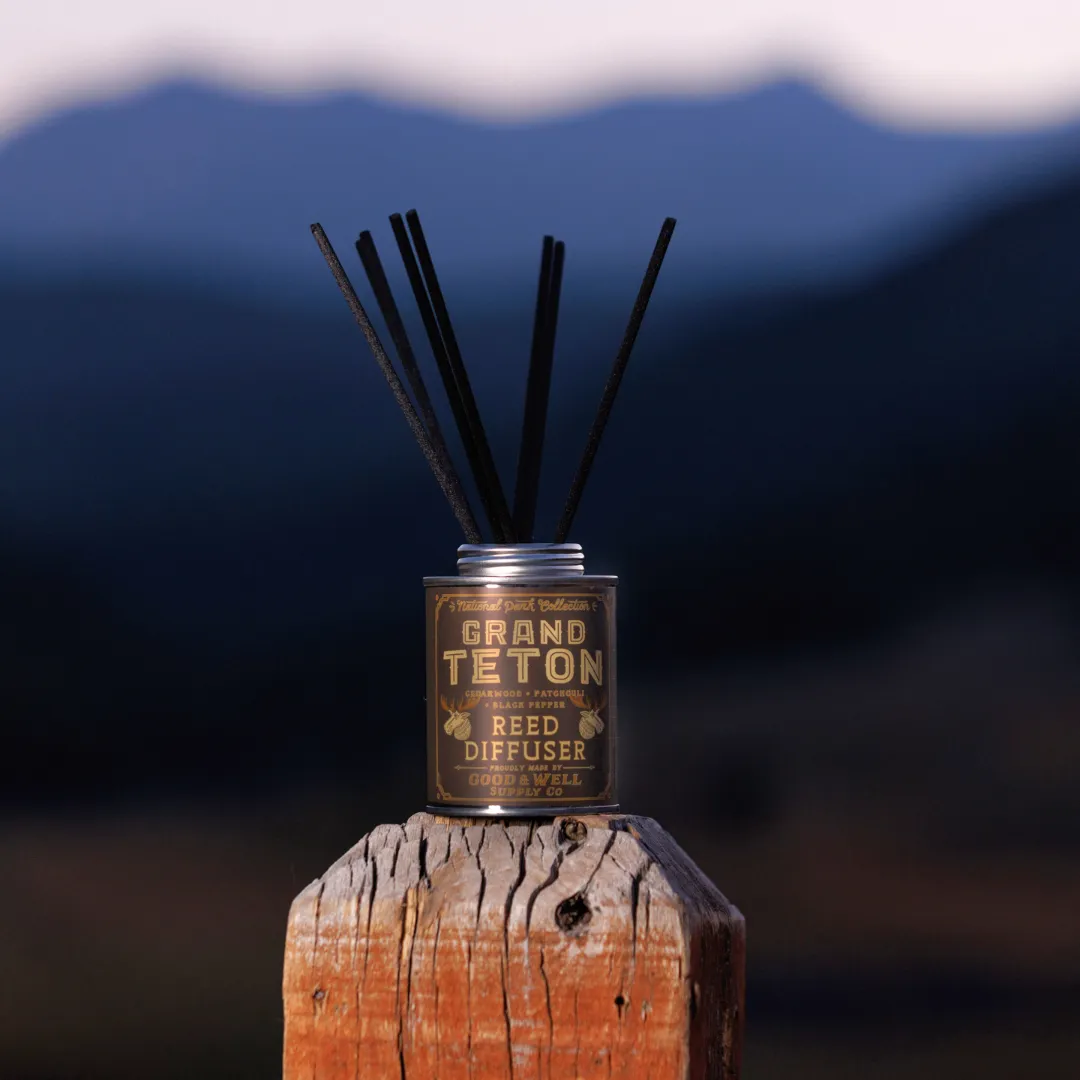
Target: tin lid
pixel 509 561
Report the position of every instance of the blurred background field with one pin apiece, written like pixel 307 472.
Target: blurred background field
pixel 839 487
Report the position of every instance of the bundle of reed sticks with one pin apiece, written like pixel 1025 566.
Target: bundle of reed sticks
pixel 516 526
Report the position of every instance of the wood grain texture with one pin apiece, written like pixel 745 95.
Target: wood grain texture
pixel 462 948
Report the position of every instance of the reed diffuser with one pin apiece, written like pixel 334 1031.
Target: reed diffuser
pixel 521 673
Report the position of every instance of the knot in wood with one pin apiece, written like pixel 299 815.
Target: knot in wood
pixel 574 831
pixel 573 913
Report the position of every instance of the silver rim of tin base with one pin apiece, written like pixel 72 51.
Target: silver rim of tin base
pixel 495 811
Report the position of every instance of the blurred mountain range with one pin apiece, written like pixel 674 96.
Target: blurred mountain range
pixel 777 180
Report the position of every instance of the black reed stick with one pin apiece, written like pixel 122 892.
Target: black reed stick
pixel 488 477
pixel 537 390
pixel 614 379
pixel 384 297
pixel 527 465
pixel 446 374
pixel 451 489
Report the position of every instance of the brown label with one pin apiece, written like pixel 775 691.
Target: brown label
pixel 521 702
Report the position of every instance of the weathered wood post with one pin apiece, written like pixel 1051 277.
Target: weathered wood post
pixel 570 947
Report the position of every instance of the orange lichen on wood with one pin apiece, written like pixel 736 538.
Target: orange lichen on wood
pixel 462 949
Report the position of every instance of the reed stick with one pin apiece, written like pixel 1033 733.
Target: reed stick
pixel 384 297
pixel 488 478
pixel 592 444
pixel 527 465
pixel 446 373
pixel 450 486
pixel 537 390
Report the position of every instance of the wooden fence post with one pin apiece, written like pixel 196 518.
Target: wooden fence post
pixel 576 947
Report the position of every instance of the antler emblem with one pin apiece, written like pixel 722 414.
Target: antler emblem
pixel 590 723
pixel 458 723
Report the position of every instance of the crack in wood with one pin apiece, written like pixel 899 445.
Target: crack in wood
pixel 318 913
pixel 553 876
pixel 550 1016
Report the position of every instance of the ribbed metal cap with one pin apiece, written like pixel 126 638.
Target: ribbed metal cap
pixel 511 561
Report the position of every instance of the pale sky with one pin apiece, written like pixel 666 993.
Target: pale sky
pixel 936 63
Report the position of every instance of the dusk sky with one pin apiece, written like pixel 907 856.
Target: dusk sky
pixel 951 63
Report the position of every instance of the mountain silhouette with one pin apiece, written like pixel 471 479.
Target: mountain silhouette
pixel 771 181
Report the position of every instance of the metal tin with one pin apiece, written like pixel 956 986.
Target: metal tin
pixel 521 698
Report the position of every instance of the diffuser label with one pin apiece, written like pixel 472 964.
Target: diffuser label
pixel 520 695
